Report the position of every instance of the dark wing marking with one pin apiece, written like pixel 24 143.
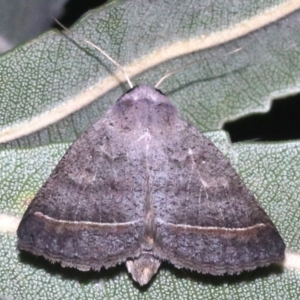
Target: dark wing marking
pixel 206 218
pixel 90 212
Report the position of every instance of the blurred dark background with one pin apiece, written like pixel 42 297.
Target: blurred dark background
pixel 74 9
pixel 281 123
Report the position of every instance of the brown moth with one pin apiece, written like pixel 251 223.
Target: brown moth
pixel 142 186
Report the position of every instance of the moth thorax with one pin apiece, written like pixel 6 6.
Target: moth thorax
pixel 143 268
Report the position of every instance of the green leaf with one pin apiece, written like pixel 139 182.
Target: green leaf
pixel 53 88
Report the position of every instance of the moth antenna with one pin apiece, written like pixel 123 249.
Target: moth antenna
pixel 102 52
pixel 168 74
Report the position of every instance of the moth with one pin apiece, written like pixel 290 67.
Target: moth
pixel 142 186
